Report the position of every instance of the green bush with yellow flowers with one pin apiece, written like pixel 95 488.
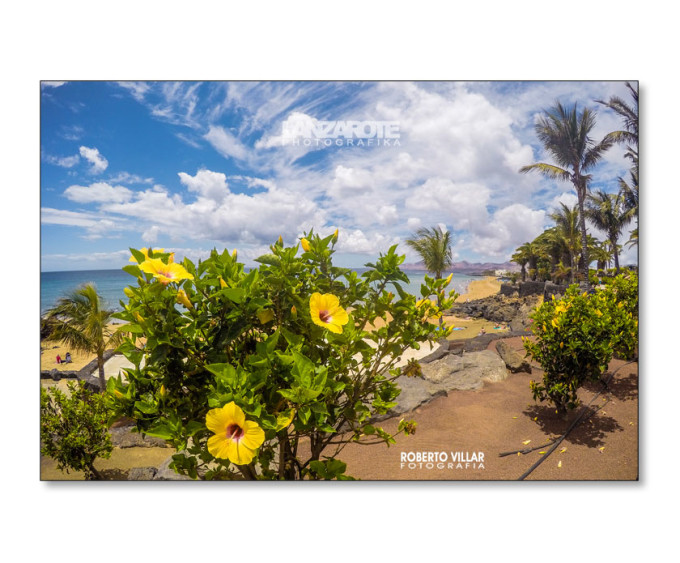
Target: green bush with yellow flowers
pixel 268 373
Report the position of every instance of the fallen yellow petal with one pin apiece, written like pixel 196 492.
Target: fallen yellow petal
pixel 541 453
pixel 526 442
pixel 563 450
pixel 516 417
pixel 601 449
pixel 559 464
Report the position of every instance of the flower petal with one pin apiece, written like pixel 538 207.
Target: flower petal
pixel 215 421
pixel 239 454
pixel 218 446
pixel 253 436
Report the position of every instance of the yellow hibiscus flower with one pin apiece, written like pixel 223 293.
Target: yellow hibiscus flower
pixel 145 252
pixel 326 312
pixel 236 438
pixel 305 244
pixel 165 273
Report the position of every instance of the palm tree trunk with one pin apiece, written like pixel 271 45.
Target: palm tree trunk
pixel 102 378
pixel 616 254
pixel 581 192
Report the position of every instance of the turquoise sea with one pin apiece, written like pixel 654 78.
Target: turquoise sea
pixel 110 285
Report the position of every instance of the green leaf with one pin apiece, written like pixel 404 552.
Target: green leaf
pixel 160 429
pixel 133 270
pixel 145 407
pixel 234 294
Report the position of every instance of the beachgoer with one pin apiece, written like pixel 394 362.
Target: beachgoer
pixel 482 332
pixel 58 359
pixel 68 358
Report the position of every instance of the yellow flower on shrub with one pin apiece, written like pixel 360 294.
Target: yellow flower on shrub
pixel 165 273
pixel 236 438
pixel 183 299
pixel 326 312
pixel 305 244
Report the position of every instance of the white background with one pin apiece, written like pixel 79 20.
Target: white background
pixel 348 40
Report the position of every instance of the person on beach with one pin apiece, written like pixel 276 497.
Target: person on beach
pixel 482 332
pixel 67 359
pixel 58 359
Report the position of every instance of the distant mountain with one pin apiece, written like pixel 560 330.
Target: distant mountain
pixel 469 268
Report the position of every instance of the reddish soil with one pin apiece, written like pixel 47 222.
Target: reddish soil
pixel 499 418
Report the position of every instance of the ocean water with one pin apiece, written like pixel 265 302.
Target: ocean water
pixel 110 285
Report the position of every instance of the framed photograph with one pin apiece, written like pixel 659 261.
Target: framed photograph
pixel 333 280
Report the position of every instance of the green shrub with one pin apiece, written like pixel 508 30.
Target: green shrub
pixel 73 429
pixel 576 337
pixel 268 374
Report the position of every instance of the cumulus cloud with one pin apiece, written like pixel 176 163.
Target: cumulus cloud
pixel 211 185
pixel 97 160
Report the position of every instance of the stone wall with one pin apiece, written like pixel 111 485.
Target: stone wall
pixel 509 289
pixel 531 288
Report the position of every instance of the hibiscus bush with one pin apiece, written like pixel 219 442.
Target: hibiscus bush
pixel 577 336
pixel 268 373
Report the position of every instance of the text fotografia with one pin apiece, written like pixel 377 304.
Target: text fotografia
pixel 342 133
pixel 442 460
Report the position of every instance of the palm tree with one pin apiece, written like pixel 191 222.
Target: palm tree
pixel 629 134
pixel 532 253
pixel 521 259
pixel 603 255
pixel 607 212
pixel 434 247
pixel 565 134
pixel 80 321
pixel 566 222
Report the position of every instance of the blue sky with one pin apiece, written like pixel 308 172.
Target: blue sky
pixel 189 166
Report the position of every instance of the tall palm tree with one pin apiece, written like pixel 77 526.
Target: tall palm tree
pixel 629 114
pixel 567 224
pixel 607 212
pixel 434 247
pixel 565 134
pixel 80 321
pixel 630 137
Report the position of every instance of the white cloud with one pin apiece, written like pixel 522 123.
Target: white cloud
pixel 98 162
pixel 127 178
pixel 211 185
pixel 138 90
pixel 99 192
pixel 356 241
pixel 151 234
pixel 225 143
pixel 509 228
pixel 64 162
pixel 52 83
pixel 463 206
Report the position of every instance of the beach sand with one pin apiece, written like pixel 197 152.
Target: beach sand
pixel 49 349
pixel 468 327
